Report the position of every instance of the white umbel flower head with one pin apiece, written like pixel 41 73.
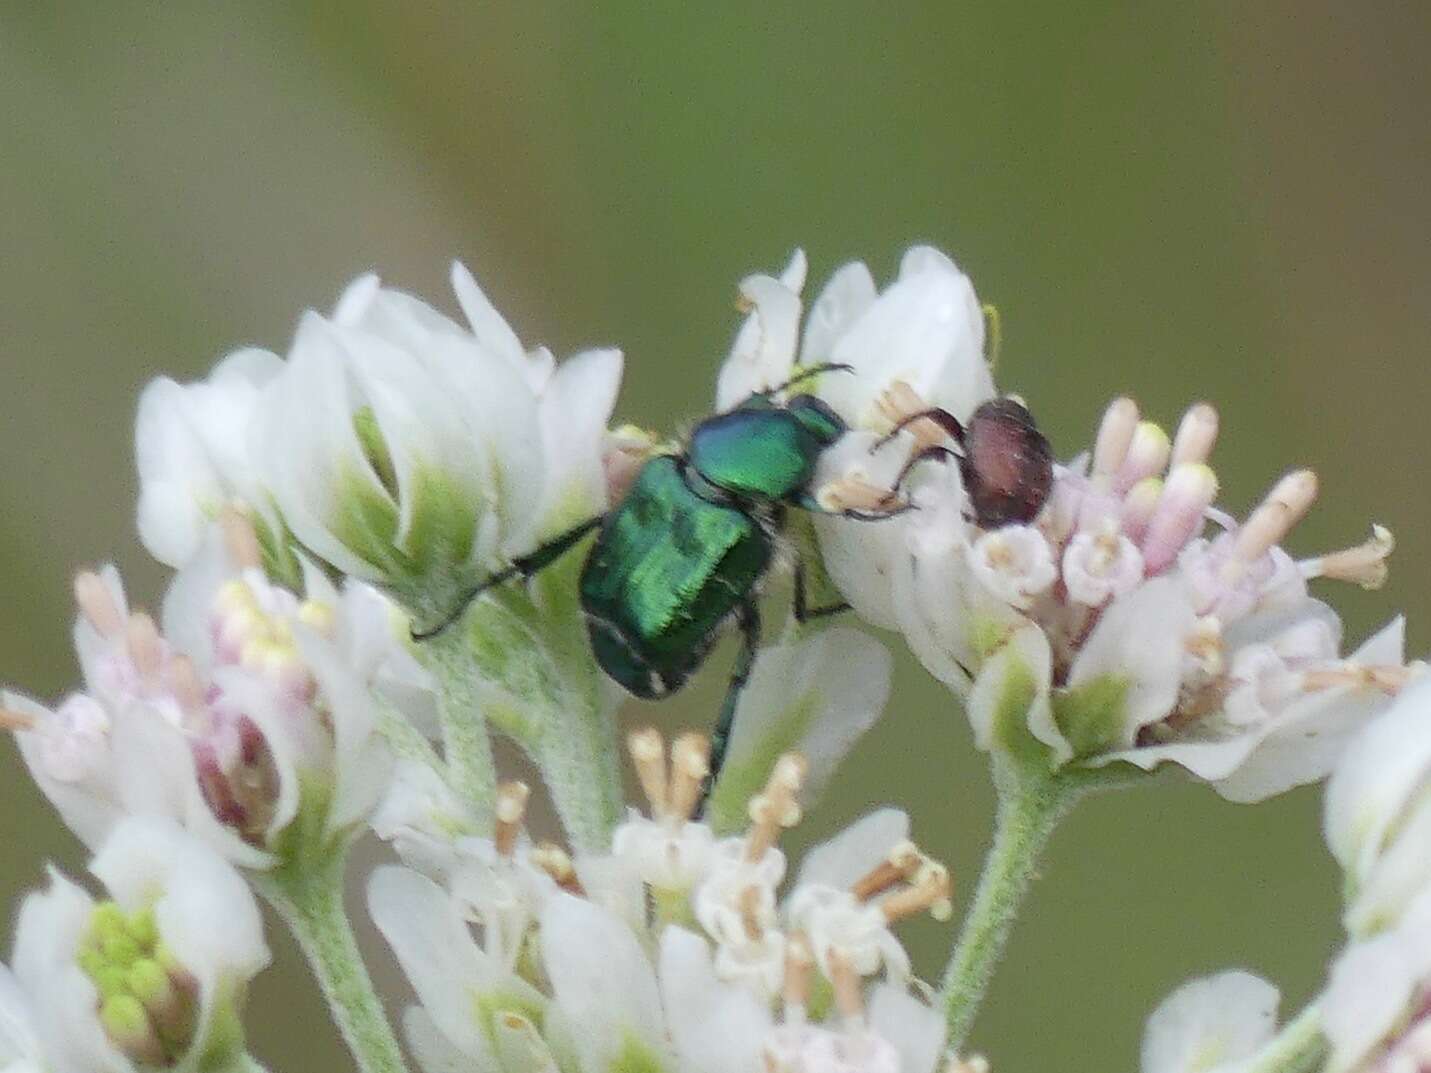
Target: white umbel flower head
pixel 412 452
pixel 1211 1025
pixel 153 978
pixel 1112 630
pixel 675 950
pixel 251 715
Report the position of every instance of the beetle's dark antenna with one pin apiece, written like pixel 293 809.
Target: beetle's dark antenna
pixel 943 418
pixel 803 375
pixel 524 567
pixel 927 454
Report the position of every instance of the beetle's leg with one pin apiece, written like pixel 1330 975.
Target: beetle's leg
pixel 524 566
pixel 804 612
pixel 943 418
pixel 926 455
pixel 802 375
pixel 747 618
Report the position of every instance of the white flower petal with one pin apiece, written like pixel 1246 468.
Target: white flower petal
pixel 715 1027
pixel 206 914
pixel 432 943
pixel 916 1029
pixel 844 859
pixel 433 1052
pixel 1140 639
pixel 850 291
pixel 763 353
pixel 1210 1023
pixel 602 982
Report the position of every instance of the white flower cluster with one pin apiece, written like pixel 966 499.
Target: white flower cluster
pixel 395 444
pixel 152 977
pixel 1128 619
pixel 674 950
pixel 250 716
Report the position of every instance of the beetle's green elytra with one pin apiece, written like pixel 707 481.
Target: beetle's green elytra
pixel 667 569
pixel 684 551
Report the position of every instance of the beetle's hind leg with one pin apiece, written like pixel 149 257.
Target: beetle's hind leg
pixel 747 619
pixel 524 567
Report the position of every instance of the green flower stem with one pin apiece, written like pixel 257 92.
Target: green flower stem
pixel 1031 802
pixel 310 901
pixel 466 744
pixel 1299 1048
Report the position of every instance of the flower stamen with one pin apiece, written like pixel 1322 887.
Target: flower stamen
pixel 557 863
pixel 903 862
pixel 97 604
pixel 141 640
pixel 241 539
pixel 846 982
pixel 511 810
pixel 929 891
pixel 648 754
pixel 900 401
pixel 1284 507
pixel 1363 565
pixel 1196 435
pixel 776 807
pixel 13 720
pixel 690 764
pixel 799 972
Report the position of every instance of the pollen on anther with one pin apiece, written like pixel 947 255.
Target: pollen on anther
pixel 776 807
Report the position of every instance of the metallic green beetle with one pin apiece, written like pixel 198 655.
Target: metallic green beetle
pixel 684 551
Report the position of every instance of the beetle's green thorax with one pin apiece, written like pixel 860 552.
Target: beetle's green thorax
pixel 668 568
pixel 763 452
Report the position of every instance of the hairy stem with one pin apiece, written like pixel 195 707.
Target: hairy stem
pixel 310 901
pixel 466 743
pixel 1031 802
pixel 1298 1048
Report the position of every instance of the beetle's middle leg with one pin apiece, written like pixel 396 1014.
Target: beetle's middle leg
pixel 747 619
pixel 524 566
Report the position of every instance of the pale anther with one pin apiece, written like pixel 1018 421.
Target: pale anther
pixel 185 683
pixel 853 492
pixel 900 865
pixel 240 539
pixel 776 807
pixel 1115 435
pixel 13 720
pixel 648 754
pixel 690 764
pixel 930 890
pixel 846 982
pixel 141 640
pixel 1284 507
pixel 511 810
pixel 556 862
pixel 900 401
pixel 97 604
pixel 799 969
pixel 1363 565
pixel 1196 435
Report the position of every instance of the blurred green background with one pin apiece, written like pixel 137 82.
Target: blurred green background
pixel 1175 200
